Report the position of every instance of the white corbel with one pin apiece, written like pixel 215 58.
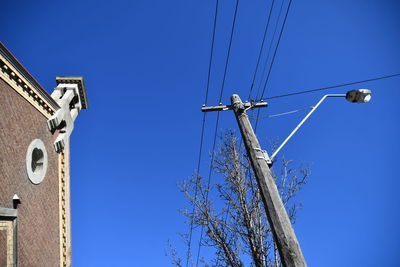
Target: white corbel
pixel 69 95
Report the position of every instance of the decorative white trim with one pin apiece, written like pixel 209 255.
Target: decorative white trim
pixel 63 211
pixel 13 78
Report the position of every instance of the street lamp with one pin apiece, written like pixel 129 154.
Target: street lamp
pixel 354 96
pixel 359 96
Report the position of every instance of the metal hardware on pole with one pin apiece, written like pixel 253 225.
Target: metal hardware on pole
pixel 282 230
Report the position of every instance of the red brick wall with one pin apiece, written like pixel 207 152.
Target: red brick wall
pixel 38 217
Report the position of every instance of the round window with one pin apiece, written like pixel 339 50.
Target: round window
pixel 36 161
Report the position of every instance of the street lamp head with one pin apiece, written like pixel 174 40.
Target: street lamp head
pixel 359 96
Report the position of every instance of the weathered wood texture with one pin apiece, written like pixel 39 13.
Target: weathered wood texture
pixel 283 233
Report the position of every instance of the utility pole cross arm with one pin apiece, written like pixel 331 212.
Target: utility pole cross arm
pixel 246 105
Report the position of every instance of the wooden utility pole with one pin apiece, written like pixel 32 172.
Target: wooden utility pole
pixel 282 230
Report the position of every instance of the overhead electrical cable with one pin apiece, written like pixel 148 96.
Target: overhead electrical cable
pixel 202 127
pixel 276 49
pixel 229 52
pixel 285 113
pixel 273 59
pixel 217 121
pixel 269 50
pixel 331 87
pixel 261 49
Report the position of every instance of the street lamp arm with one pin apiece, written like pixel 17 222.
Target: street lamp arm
pixel 302 122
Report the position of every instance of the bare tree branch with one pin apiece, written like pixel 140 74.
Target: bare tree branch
pixel 237 227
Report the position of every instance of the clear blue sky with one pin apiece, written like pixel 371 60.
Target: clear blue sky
pixel 145 65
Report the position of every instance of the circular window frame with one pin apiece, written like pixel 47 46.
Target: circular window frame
pixel 36 161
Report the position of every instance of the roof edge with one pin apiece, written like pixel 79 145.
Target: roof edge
pixel 24 72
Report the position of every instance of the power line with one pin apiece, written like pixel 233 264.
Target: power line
pixel 268 54
pixel 273 59
pixel 229 52
pixel 202 127
pixel 261 49
pixel 217 121
pixel 276 49
pixel 285 113
pixel 269 49
pixel 331 87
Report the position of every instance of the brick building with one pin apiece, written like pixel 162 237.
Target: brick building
pixel 35 222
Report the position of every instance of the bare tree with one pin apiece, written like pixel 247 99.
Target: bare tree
pixel 238 229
